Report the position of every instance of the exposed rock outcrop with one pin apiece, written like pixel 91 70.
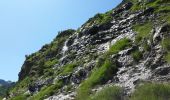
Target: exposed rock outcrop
pixel 125 47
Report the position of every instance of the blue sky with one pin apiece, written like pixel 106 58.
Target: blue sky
pixel 26 25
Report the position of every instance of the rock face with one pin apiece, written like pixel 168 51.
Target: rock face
pixel 124 47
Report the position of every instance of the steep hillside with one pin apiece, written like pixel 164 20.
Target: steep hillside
pixel 123 54
pixel 4 86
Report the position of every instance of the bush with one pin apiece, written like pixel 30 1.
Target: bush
pixel 109 93
pixel 152 92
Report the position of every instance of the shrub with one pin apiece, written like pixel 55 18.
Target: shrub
pixel 152 92
pixel 108 93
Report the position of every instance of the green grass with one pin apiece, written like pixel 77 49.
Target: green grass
pixel 100 19
pixel 152 92
pixel 108 93
pixel 20 97
pixel 165 17
pixel 158 5
pixel 1 98
pixel 103 18
pixel 168 19
pixel 21 85
pixel 98 76
pixel 163 9
pixel 47 91
pixel 146 46
pixel 50 63
pixel 119 45
pixel 142 30
pixel 68 68
pixel 104 70
pixel 166 43
pixel 136 7
pixel 167 57
pixel 137 55
pixel 166 46
pixel 37 64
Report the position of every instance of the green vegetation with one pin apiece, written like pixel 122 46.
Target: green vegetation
pixel 1 97
pixel 137 7
pixel 146 46
pixel 50 63
pixel 21 85
pixel 137 55
pixel 159 5
pixel 168 19
pixel 167 57
pixel 98 76
pixel 68 68
pixel 119 45
pixel 20 97
pixel 166 43
pixel 40 63
pixel 142 30
pixel 103 18
pixel 100 19
pixel 47 91
pixel 152 92
pixel 108 93
pixel 104 70
pixel 165 17
pixel 166 46
pixel 3 91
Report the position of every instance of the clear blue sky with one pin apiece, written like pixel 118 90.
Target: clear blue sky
pixel 26 25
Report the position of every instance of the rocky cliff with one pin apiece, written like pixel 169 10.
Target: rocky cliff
pixel 119 55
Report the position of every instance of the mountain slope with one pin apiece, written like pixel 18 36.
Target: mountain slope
pixel 4 86
pixel 122 54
